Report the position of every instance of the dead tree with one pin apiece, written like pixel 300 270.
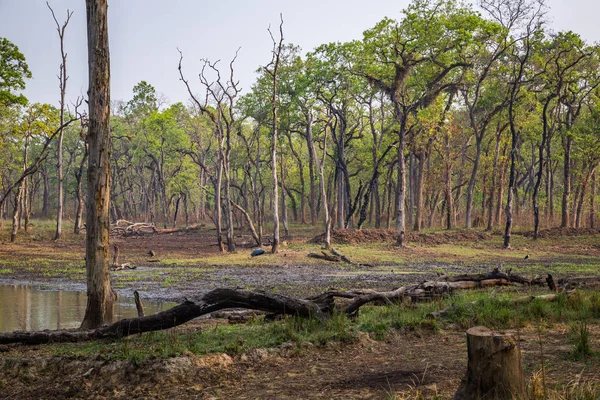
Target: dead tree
pixel 101 298
pixel 62 77
pixel 272 69
pixel 223 95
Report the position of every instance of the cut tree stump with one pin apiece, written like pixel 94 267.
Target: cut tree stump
pixel 494 368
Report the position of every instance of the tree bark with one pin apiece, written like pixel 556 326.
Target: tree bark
pixel 100 301
pixel 494 367
pixel 564 223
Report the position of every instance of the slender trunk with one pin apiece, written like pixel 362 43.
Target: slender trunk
pixel 411 186
pixel 63 88
pixel 592 202
pixel 472 179
pixel 46 195
pixel 284 215
pixel 540 171
pixel 16 216
pixel 419 193
pixel 79 195
pixel 218 210
pixel 273 73
pixel 312 162
pixel 567 183
pixel 401 190
pixel 227 203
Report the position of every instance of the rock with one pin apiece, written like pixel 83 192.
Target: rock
pixel 257 252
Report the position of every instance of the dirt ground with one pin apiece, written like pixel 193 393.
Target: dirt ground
pixel 405 365
pixel 187 264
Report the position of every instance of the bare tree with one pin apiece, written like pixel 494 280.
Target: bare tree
pixel 272 69
pixel 100 296
pixel 62 78
pixel 222 94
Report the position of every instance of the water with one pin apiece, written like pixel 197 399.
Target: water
pixel 29 308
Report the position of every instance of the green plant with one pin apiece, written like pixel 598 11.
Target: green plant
pixel 580 334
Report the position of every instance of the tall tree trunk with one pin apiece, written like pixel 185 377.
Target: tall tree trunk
pixel 472 179
pixel 284 214
pixel 419 193
pixel 79 195
pixel 401 189
pixel 228 199
pixel 540 172
pixel 277 48
pixel 593 202
pixel 16 213
pixel 564 223
pixel 218 208
pixel 100 297
pixel 46 195
pixel 312 162
pixel 62 77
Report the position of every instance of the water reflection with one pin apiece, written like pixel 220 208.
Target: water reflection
pixel 28 308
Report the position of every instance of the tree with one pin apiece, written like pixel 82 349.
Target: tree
pixel 13 72
pixel 100 296
pixel 62 77
pixel 222 93
pixel 272 70
pixel 413 61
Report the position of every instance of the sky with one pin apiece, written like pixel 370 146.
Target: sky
pixel 145 34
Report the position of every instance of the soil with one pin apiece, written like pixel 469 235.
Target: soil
pixel 405 365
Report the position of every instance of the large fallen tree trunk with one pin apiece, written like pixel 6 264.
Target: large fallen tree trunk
pixel 126 228
pixel 320 307
pixel 495 274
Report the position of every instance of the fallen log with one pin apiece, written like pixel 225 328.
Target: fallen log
pixel 495 274
pixel 320 307
pixel 346 259
pixel 142 228
pixel 324 256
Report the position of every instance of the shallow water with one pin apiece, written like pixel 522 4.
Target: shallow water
pixel 30 308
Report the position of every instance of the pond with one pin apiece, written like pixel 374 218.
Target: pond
pixel 31 308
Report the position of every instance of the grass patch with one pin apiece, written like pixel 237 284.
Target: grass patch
pixel 467 310
pixel 5 271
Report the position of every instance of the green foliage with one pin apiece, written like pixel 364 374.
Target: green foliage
pixel 13 72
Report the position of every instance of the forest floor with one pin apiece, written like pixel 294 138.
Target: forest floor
pixel 401 363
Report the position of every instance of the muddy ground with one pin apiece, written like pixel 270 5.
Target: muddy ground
pixel 187 264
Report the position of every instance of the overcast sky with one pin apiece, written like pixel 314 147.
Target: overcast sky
pixel 145 34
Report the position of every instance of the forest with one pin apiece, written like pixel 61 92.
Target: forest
pixel 446 118
pixel 478 122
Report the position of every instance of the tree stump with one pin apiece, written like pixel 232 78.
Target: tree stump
pixel 494 368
